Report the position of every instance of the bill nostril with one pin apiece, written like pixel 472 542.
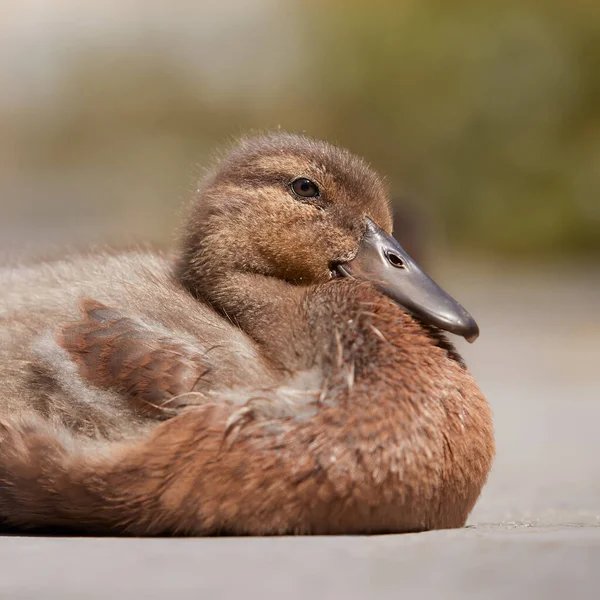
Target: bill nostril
pixel 395 260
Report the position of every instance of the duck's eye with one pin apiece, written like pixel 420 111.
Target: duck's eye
pixel 305 188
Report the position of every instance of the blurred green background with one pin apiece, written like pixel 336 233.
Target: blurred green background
pixel 484 116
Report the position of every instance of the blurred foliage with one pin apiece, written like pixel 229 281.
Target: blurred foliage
pixel 489 111
pixel 486 115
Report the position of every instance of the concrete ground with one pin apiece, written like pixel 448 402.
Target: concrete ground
pixel 534 534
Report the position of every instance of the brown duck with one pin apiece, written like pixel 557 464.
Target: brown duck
pixel 286 373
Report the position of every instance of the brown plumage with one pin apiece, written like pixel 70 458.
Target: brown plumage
pixel 238 389
pixel 149 367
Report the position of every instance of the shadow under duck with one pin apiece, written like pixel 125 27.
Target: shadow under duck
pixel 285 373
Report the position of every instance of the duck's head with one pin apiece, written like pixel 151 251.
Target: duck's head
pixel 303 211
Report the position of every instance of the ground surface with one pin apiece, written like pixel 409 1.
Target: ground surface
pixel 535 532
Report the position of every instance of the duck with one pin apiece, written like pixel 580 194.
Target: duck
pixel 285 371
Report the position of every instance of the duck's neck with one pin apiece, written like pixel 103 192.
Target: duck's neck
pixel 336 325
pixel 271 311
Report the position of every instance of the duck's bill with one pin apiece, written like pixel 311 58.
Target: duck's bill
pixel 383 261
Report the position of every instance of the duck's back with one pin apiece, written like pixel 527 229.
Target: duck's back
pixel 38 299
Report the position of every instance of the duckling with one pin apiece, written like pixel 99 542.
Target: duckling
pixel 285 373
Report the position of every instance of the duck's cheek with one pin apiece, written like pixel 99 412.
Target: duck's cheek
pixel 295 256
pixel 339 247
